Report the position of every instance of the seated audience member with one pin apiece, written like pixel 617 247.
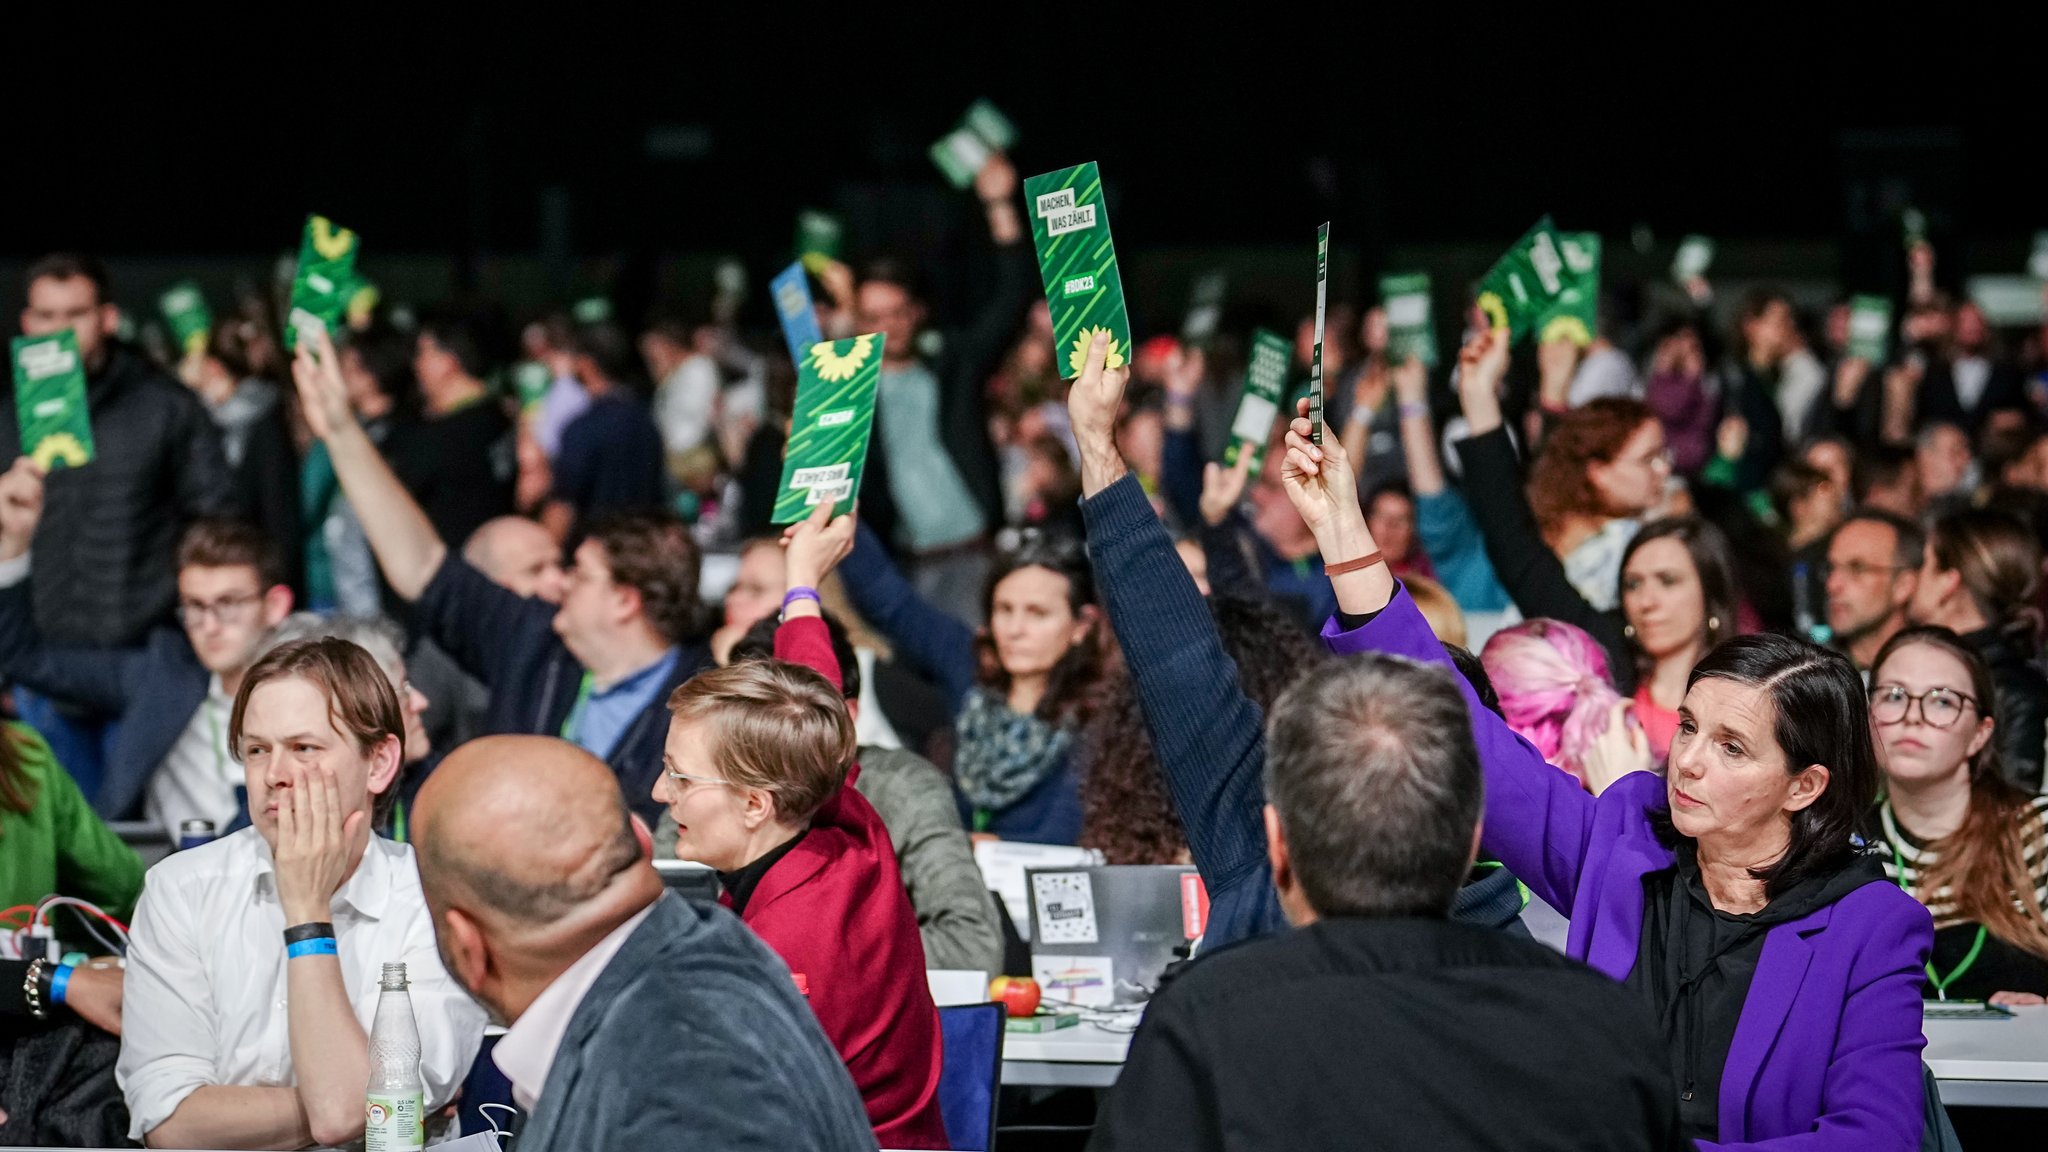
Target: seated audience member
pixel 1678 595
pixel 593 670
pixel 1380 1022
pixel 1887 477
pixel 51 841
pixel 1948 473
pixel 1126 812
pixel 517 554
pixel 1206 729
pixel 635 1016
pixel 1731 895
pixel 611 457
pixel 385 643
pixel 1809 508
pixel 956 917
pixel 1873 573
pixel 755 595
pixel 756 757
pixel 1020 686
pixel 1980 577
pixel 1554 692
pixel 171 759
pixel 1956 832
pixel 253 967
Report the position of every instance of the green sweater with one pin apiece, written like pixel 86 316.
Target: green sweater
pixel 59 846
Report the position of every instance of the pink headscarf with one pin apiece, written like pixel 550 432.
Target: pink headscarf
pixel 1554 687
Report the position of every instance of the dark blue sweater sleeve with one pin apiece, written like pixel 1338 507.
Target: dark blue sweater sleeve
pixel 482 624
pixel 936 643
pixel 1208 735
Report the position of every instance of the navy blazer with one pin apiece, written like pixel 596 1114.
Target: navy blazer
pixel 152 689
pixel 508 642
pixel 695 1035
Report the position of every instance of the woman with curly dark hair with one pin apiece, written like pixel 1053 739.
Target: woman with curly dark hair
pixel 1125 811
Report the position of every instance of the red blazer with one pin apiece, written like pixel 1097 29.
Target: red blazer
pixel 835 910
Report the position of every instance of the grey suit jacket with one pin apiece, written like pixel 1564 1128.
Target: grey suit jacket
pixel 695 1036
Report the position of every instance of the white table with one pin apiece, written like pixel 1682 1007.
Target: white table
pixel 1084 1056
pixel 1979 1063
pixel 1991 1063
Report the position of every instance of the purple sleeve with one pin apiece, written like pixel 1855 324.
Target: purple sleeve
pixel 1538 820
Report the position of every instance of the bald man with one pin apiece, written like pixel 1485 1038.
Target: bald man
pixel 517 553
pixel 548 910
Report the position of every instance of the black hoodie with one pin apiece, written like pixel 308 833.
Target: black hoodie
pixel 1694 965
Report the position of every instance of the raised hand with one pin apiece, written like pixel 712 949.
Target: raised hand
pixel 21 507
pixel 1092 406
pixel 1621 749
pixel 323 395
pixel 1223 488
pixel 1481 364
pixel 997 180
pixel 814 546
pixel 1849 377
pixel 318 843
pixel 1319 482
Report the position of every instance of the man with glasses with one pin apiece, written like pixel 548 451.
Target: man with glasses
pixel 1873 567
pixel 172 693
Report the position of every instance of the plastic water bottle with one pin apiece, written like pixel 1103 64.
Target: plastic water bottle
pixel 395 1110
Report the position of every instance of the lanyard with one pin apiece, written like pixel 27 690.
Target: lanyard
pixel 1940 982
pixel 574 720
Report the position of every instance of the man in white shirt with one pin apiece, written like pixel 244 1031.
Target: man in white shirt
pixel 171 695
pixel 253 965
pixel 548 908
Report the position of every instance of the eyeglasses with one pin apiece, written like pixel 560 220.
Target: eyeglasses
pixel 686 779
pixel 1858 570
pixel 1939 707
pixel 227 610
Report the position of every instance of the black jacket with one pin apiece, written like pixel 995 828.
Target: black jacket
pixel 106 551
pixel 508 642
pixel 2022 705
pixel 1361 1033
pixel 966 360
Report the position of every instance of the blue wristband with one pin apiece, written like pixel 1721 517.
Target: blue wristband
pixel 800 593
pixel 321 946
pixel 59 982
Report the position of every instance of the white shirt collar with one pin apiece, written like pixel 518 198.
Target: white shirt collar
pixel 367 890
pixel 527 1049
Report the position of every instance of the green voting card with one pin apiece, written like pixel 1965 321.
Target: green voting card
pixel 49 400
pixel 1265 382
pixel 984 130
pixel 1575 314
pixel 1525 281
pixel 1695 256
pixel 1315 364
pixel 1077 261
pixel 1870 326
pixel 818 236
pixel 324 280
pixel 828 437
pixel 191 321
pixel 1411 330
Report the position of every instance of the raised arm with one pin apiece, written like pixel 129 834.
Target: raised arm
pixel 936 643
pixel 96 677
pixel 1538 820
pixel 399 532
pixel 1207 734
pixel 982 344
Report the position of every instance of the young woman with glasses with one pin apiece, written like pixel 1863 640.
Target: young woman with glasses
pixel 1954 832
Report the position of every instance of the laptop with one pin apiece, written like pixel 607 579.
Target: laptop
pixel 1101 936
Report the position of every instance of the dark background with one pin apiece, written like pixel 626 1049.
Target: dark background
pixel 588 135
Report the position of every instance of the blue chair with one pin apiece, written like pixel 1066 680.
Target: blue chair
pixel 971 1075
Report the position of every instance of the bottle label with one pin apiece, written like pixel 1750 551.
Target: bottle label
pixel 395 1123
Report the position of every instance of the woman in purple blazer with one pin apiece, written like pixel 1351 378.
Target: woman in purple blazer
pixel 1783 968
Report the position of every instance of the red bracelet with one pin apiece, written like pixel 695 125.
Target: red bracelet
pixel 1365 561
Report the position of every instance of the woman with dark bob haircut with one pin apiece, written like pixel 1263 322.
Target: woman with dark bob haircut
pixel 1730 894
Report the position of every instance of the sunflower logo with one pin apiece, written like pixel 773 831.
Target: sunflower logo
pixel 61 448
pixel 1568 327
pixel 1495 308
pixel 1078 358
pixel 330 242
pixel 835 366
